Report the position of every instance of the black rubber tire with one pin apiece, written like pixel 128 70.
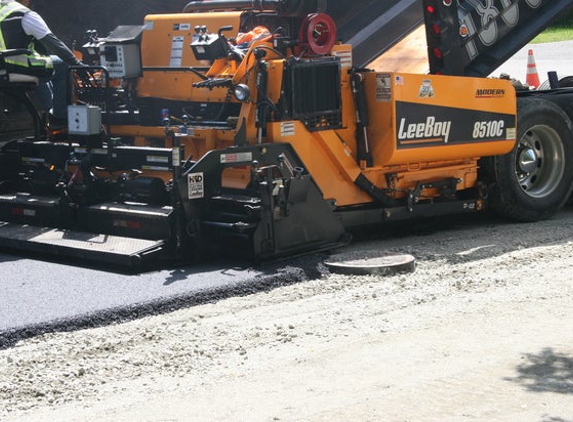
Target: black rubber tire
pixel 535 180
pixel 565 82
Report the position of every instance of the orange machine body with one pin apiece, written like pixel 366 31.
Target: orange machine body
pixel 421 127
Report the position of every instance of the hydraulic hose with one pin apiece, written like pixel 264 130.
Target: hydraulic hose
pixel 202 6
pixel 377 194
pixel 283 7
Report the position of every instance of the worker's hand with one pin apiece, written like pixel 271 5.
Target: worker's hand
pixel 82 75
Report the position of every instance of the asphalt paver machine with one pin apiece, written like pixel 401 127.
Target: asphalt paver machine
pixel 249 128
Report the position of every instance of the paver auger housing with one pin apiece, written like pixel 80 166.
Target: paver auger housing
pixel 242 128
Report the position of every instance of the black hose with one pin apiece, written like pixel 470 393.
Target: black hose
pixel 283 7
pixel 377 194
pixel 203 6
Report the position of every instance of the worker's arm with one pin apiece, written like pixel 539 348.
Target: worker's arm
pixel 34 25
pixel 54 45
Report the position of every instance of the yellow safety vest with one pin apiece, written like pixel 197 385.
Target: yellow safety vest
pixel 32 64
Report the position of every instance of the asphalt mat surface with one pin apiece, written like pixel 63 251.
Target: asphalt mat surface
pixel 38 296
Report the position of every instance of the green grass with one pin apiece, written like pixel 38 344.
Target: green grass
pixel 554 34
pixel 562 30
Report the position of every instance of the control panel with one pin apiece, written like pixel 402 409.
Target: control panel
pixel 84 120
pixel 121 60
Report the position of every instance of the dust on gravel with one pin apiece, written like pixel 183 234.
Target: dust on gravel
pixel 235 345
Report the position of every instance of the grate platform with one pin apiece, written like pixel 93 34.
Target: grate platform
pixel 94 247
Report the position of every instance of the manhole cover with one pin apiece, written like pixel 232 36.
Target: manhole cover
pixel 386 264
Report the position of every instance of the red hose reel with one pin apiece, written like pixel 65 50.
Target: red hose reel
pixel 318 33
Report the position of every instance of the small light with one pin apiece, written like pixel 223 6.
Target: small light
pixel 464 31
pixel 447 2
pixel 242 92
pixel 430 9
pixel 436 29
pixel 438 53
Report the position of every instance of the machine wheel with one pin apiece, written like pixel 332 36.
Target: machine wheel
pixel 565 82
pixel 533 181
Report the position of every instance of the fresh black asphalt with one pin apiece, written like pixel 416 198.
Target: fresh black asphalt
pixel 38 296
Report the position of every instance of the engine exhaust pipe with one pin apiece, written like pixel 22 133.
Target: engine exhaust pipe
pixel 283 7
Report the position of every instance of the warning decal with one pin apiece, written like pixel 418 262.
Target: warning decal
pixel 176 51
pixel 195 186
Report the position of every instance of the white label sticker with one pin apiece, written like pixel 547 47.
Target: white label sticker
pixel 383 87
pixel 236 157
pixel 195 186
pixel 176 157
pixel 345 58
pixel 156 159
pixel 154 168
pixel 287 129
pixel 176 51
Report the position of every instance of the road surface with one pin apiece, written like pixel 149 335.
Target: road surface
pixel 480 331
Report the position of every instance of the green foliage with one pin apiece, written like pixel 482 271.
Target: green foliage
pixel 561 30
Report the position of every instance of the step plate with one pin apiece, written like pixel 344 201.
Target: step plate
pixel 89 246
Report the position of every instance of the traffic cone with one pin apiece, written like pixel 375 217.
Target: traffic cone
pixel 532 78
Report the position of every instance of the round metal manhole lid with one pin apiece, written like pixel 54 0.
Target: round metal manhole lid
pixel 380 264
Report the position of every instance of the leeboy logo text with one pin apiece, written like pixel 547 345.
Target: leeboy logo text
pixel 428 130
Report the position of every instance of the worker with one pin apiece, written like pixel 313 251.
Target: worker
pixel 21 27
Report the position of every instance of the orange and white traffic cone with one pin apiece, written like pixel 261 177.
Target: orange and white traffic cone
pixel 532 78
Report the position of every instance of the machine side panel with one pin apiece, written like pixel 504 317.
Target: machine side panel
pixel 428 123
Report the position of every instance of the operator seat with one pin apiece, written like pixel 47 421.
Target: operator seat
pixel 7 78
pixel 21 86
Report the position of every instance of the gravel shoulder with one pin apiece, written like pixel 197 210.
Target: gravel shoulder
pixel 480 331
